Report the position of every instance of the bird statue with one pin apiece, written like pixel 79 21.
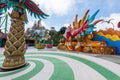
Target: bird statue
pixel 108 22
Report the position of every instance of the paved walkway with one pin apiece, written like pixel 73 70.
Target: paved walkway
pixel 1 50
pixel 53 64
pixel 112 58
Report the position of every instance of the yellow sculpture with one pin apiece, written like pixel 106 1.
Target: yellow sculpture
pixel 15 46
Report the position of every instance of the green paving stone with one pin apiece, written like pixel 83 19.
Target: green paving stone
pixel 33 72
pixel 62 70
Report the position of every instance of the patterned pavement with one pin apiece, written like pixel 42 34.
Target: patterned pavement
pixel 51 64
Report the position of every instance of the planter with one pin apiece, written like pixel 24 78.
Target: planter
pixel 40 46
pixel 48 45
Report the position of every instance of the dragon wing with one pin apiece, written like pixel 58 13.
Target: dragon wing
pixel 81 29
pixel 84 18
pixel 91 19
pixel 34 9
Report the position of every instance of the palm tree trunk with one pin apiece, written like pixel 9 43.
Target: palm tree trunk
pixel 15 46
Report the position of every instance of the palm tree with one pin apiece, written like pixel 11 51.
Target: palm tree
pixel 15 44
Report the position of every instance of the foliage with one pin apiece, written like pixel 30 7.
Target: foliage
pixel 55 36
pixel 32 8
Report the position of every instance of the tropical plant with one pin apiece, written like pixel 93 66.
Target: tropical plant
pixel 15 46
pixel 55 36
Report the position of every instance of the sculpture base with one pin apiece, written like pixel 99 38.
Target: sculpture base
pixel 5 69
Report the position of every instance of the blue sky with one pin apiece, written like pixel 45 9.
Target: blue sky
pixel 62 12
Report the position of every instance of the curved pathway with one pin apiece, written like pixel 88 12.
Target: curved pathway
pixel 59 65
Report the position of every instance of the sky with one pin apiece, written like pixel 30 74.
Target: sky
pixel 62 12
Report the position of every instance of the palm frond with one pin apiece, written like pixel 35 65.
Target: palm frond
pixel 33 9
pixel 8 4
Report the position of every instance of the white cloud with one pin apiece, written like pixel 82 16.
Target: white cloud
pixel 29 24
pixel 66 25
pixel 58 7
pixel 116 19
pixel 44 24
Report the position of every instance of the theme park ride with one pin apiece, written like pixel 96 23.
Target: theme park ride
pixel 15 44
pixel 3 22
pixel 81 37
pixel 45 41
pixel 3 27
pixel 38 36
pixel 37 30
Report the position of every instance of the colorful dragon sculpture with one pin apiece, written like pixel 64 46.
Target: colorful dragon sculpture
pixel 84 26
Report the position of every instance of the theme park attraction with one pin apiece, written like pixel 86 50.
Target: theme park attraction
pixel 15 46
pixel 38 36
pixel 3 28
pixel 81 37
